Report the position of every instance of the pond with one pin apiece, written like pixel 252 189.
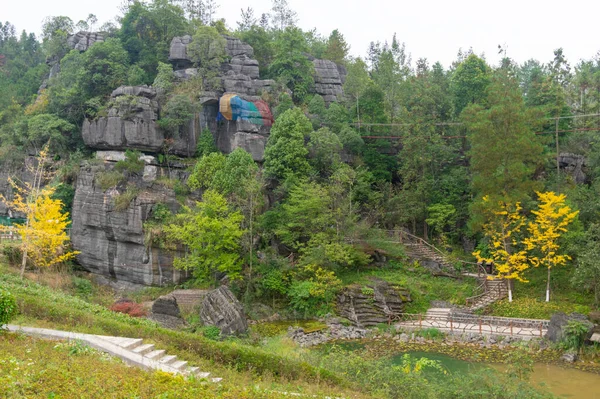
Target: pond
pixel 563 382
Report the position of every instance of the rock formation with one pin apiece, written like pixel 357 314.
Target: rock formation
pixel 329 80
pixel 575 165
pixel 131 124
pixel 371 304
pixel 83 40
pixel 558 322
pixel 222 309
pixel 111 242
pixel 165 311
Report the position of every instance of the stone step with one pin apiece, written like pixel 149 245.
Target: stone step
pixel 168 359
pixel 125 343
pixel 156 354
pixel 179 365
pixel 143 349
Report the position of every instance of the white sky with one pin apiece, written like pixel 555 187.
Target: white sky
pixel 433 29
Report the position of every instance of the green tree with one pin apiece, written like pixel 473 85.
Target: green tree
pixel 290 64
pixel 337 48
pixel 211 234
pixel 505 151
pixel 357 81
pixel 587 273
pixel 324 149
pixel 207 51
pixel 469 82
pixel 282 15
pixel 286 154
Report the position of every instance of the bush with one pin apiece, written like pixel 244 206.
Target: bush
pixel 122 201
pixel 8 307
pixel 211 332
pixel 132 163
pixel 107 179
pixel 129 308
pixel 83 288
pixel 13 254
pixel 575 334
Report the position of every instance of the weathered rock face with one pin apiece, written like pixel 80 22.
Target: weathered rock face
pixel 131 124
pixel 240 74
pixel 329 80
pixel 222 309
pixel 241 134
pixel 83 40
pixel 575 165
pixel 111 242
pixel 558 322
pixel 371 304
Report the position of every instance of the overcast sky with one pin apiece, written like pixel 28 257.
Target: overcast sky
pixel 433 29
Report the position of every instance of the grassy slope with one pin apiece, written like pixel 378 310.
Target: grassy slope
pixel 238 364
pixel 529 298
pixel 422 286
pixel 31 368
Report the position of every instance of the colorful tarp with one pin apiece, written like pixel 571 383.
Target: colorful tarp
pixel 232 107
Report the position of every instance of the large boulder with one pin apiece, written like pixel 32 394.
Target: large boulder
pixel 372 304
pixel 558 322
pixel 165 311
pixel 221 308
pixel 112 242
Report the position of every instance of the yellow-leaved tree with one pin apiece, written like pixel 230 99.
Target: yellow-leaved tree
pixel 551 220
pixel 504 223
pixel 44 240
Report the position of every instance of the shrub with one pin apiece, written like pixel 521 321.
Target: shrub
pixel 122 201
pixel 13 254
pixel 129 308
pixel 575 334
pixel 8 307
pixel 211 332
pixel 82 287
pixel 108 178
pixel 132 163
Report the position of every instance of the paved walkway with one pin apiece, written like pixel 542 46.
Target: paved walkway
pixel 442 320
pixel 131 350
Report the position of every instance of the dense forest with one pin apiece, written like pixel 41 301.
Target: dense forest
pixel 412 146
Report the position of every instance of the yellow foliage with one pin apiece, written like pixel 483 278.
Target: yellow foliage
pixel 551 221
pixel 504 223
pixel 39 105
pixel 44 239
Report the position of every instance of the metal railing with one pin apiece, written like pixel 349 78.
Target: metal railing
pixel 469 323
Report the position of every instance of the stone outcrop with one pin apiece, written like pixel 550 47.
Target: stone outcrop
pixel 558 322
pixel 83 40
pixel 165 311
pixel 239 74
pixel 334 331
pixel 131 124
pixel 371 304
pixel 221 308
pixel 329 80
pixel 112 242
pixel 245 135
pixel 575 165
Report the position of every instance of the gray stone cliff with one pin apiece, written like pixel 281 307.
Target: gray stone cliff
pixel 111 242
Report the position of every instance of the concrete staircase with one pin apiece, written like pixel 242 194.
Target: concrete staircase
pixel 423 252
pixel 131 350
pixel 491 291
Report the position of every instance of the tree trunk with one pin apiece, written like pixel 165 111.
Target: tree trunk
pixel 23 263
pixel 548 287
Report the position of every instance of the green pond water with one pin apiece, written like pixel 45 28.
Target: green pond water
pixel 563 382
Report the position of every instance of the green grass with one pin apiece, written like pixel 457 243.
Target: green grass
pixel 32 368
pixel 43 306
pixel 423 287
pixel 529 299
